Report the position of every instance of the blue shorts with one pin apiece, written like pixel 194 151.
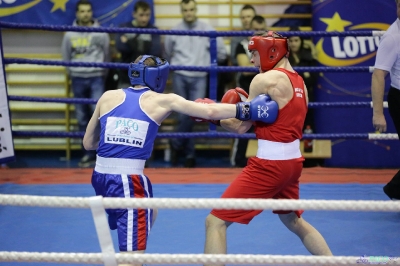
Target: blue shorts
pixel 133 224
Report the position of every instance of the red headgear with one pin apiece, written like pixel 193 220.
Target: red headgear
pixel 271 49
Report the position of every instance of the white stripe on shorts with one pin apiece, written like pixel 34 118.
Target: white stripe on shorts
pixel 146 188
pixel 127 194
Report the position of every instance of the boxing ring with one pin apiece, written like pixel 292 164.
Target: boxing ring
pixel 25 199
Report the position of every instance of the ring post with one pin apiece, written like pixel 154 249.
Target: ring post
pixel 213 78
pixel 6 140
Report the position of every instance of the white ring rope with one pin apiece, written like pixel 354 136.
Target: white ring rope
pixel 385 104
pixel 378 32
pixel 190 203
pixel 382 136
pixel 186 203
pixel 247 259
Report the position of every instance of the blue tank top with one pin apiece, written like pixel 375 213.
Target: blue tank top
pixel 127 131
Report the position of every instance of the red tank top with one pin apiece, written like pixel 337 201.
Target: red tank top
pixel 289 124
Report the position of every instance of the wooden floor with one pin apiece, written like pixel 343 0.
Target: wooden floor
pixel 194 175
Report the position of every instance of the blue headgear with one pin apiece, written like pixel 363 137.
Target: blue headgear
pixel 155 77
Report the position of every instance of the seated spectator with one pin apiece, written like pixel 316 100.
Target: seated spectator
pixel 303 54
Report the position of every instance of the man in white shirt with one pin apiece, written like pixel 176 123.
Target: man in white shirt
pixel 388 61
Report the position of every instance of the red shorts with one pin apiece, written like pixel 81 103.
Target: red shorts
pixel 263 179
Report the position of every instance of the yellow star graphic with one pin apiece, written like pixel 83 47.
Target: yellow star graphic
pixel 335 23
pixel 58 4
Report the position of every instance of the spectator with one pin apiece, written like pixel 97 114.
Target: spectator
pixel 131 45
pixel 246 15
pixel 242 54
pixel 184 50
pixel 302 54
pixel 86 82
pixel 228 79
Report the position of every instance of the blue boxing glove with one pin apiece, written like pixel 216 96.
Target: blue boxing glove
pixel 261 108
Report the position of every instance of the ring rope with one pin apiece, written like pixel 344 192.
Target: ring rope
pixel 93 101
pixel 180 32
pixel 189 68
pixel 189 203
pixel 216 134
pixel 96 258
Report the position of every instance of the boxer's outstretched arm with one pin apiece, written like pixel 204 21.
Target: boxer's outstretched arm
pixel 215 111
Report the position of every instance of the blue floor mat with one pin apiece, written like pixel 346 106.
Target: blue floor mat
pixel 35 229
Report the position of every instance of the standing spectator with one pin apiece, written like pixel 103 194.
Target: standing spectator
pixel 184 50
pixel 86 82
pixel 131 45
pixel 388 61
pixel 243 56
pixel 247 13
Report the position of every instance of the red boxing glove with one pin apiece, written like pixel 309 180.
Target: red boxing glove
pixel 235 95
pixel 198 119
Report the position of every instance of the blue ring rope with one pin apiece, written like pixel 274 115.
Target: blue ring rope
pixel 192 135
pixel 172 67
pixel 93 101
pixel 29 26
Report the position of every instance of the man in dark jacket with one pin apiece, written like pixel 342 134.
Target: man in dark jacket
pixel 131 45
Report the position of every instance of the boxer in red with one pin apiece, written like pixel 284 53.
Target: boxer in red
pixel 274 173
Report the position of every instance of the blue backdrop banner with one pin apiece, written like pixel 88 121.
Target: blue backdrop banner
pixel 62 12
pixel 345 15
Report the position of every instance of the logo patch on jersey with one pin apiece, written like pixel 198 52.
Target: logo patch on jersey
pixel 299 92
pixel 125 131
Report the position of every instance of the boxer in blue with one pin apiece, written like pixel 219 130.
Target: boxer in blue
pixel 123 128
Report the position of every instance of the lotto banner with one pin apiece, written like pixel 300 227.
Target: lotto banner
pixel 354 15
pixel 6 141
pixel 62 12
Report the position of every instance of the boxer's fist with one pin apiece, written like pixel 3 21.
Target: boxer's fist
pixel 198 119
pixel 234 96
pixel 262 108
